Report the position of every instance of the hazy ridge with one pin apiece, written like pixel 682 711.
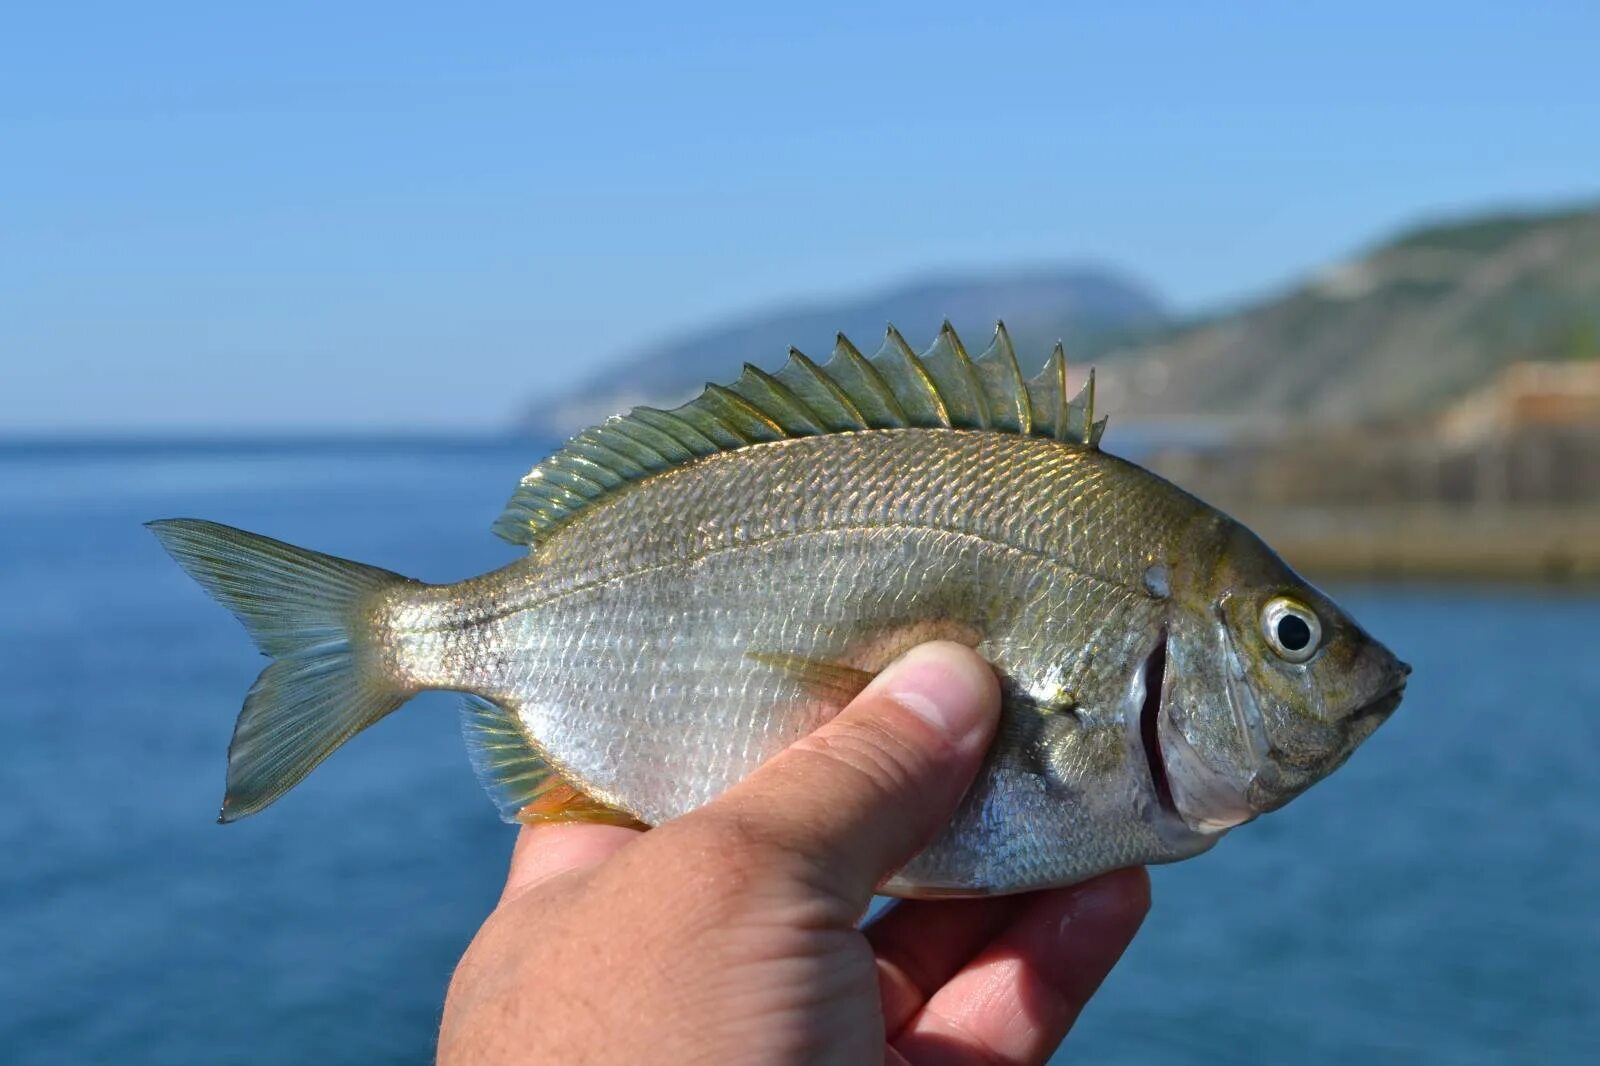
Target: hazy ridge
pixel 1404 327
pixel 1091 310
pixel 1401 329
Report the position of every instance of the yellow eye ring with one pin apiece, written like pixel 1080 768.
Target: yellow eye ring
pixel 1292 630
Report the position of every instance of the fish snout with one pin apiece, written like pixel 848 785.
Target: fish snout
pixel 1379 683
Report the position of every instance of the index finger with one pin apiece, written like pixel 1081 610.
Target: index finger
pixel 1015 1001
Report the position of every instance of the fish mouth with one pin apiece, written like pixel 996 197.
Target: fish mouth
pixel 1189 793
pixel 1381 708
pixel 1384 705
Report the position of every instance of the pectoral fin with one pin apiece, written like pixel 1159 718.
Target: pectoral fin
pixel 817 676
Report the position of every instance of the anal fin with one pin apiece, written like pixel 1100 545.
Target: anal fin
pixel 563 803
pixel 520 780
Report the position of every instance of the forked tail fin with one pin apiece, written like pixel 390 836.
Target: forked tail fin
pixel 308 611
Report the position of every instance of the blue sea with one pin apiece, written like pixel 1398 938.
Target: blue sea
pixel 1438 900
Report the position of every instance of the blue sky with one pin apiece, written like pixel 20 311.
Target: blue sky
pixel 356 216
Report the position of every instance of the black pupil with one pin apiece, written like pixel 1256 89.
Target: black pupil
pixel 1293 633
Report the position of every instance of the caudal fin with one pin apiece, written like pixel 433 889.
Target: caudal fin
pixel 306 610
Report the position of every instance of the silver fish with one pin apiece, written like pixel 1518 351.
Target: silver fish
pixel 706 585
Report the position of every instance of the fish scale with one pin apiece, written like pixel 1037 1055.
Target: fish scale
pixel 629 579
pixel 704 586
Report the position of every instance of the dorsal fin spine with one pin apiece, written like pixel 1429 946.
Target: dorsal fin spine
pixel 1056 373
pixel 563 475
pixel 592 446
pixel 797 358
pixel 969 375
pixel 551 484
pixel 756 422
pixel 921 380
pixel 871 375
pixel 1007 356
pixel 956 379
pixel 676 427
pixel 944 388
pixel 807 420
pixel 598 474
pixel 1080 412
pixel 709 417
pixel 644 439
pixel 1088 401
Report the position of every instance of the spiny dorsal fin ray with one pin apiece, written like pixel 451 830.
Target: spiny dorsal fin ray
pixel 965 402
pixel 1011 409
pixel 943 387
pixel 913 386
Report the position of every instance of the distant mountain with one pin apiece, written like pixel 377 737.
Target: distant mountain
pixel 1090 310
pixel 1401 329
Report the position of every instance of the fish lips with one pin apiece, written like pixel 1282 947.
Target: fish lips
pixel 1362 722
pixel 1384 705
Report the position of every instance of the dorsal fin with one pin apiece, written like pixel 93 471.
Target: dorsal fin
pixel 896 389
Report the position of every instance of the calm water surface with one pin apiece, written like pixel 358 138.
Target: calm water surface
pixel 1435 901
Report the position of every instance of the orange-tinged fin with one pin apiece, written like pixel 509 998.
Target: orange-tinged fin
pixel 563 803
pixel 517 776
pixel 817 676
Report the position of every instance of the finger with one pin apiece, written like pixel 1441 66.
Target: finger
pixel 858 797
pixel 552 849
pixel 1016 1000
pixel 921 944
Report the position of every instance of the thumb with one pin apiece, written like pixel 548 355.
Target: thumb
pixel 862 794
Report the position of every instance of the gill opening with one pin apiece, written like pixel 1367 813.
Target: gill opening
pixel 1155 681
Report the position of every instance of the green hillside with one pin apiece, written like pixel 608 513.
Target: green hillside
pixel 1405 327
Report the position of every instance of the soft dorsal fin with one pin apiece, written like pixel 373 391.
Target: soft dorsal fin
pixel 942 388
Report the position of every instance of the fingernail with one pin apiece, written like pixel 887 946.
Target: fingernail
pixel 945 685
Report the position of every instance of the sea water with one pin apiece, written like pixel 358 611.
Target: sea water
pixel 1438 900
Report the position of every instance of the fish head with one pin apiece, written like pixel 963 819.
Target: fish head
pixel 1268 684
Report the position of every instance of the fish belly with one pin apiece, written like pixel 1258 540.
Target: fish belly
pixel 646 690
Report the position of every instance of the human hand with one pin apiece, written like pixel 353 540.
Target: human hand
pixel 729 935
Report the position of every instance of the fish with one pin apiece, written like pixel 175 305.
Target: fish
pixel 705 585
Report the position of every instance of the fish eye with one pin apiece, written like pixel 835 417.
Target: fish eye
pixel 1291 628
